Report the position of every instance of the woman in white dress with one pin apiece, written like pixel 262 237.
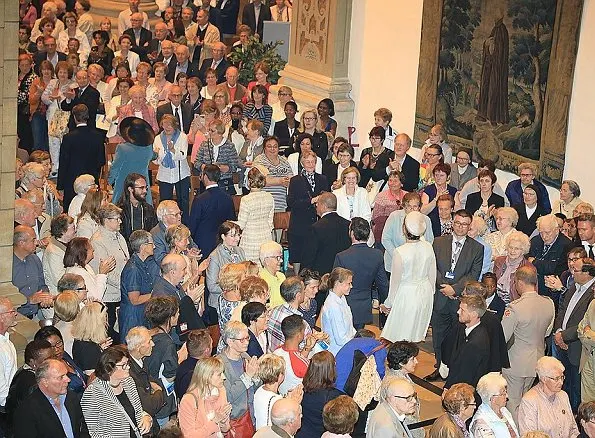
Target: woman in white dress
pixel 412 283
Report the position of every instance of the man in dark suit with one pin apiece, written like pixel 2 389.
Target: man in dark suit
pixel 50 54
pixel 254 16
pixel 84 94
pixel 548 253
pixel 217 62
pixel 182 111
pixel 565 343
pixel 471 360
pixel 168 57
pixel 209 210
pixel 459 259
pixel 230 10
pixel 161 35
pixel 330 236
pixel 141 37
pixel 182 64
pixel 82 152
pixel 36 417
pixel 367 265
pixel 408 166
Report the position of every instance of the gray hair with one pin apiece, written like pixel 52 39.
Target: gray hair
pixel 519 237
pixel 511 213
pixel 164 207
pixel 32 170
pixel 284 417
pixel 42 371
pixel 170 262
pixel 137 239
pixel 21 233
pixel 548 219
pixel 136 336
pixel 573 187
pixel 69 281
pixel 232 330
pixel 34 195
pixel 268 249
pixel 546 365
pixel 83 182
pixel 107 211
pixel 489 385
pixel 387 383
pixel 291 287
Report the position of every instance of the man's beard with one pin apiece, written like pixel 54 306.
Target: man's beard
pixel 139 198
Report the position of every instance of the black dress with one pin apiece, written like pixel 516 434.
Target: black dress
pixel 378 173
pixel 86 354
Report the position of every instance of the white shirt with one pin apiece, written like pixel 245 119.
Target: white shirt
pixel 489 300
pixel 470 329
pixel 8 366
pixel 181 169
pixel 462 170
pixel 529 211
pixel 263 402
pixel 580 291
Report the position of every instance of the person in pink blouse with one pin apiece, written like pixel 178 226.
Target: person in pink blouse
pixel 27 13
pixel 137 107
pixel 204 410
pixel 386 202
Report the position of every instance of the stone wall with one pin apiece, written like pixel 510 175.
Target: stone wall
pixel 9 29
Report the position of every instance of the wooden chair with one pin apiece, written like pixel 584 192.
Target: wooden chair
pixel 281 222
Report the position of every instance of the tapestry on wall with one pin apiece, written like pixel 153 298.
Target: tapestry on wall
pixel 497 74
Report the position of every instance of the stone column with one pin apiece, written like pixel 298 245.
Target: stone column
pixel 9 27
pixel 319 55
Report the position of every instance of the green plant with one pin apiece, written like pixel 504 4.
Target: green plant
pixel 255 52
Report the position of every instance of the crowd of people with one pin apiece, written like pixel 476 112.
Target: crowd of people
pixel 203 258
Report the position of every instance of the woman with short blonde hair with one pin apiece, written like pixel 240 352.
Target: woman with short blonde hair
pixel 230 277
pixel 506 221
pixel 352 200
pixel 271 372
pixel 89 331
pixel 66 308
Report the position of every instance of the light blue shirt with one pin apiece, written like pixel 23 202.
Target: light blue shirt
pixel 337 321
pixel 487 256
pixel 393 235
pixel 63 415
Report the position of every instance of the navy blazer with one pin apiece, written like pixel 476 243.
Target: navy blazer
pixel 410 170
pixel 281 130
pixel 554 262
pixel 145 38
pixel 82 152
pixel 498 306
pixel 367 265
pixel 329 169
pixel 221 68
pixel 209 210
pixel 330 236
pixel 229 15
pixel 249 17
pixel 299 197
pixel 35 417
pixel 41 56
pixel 254 348
pixel 514 193
pixel 90 97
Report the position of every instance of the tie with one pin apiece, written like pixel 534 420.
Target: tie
pixel 590 252
pixel 455 255
pixel 546 248
pixel 177 115
pixel 279 15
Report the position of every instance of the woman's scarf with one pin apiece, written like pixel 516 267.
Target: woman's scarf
pixel 168 160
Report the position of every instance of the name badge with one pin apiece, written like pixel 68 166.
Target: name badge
pixel 450 275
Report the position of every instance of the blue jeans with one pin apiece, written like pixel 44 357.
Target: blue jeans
pixel 39 126
pixel 166 191
pixel 572 376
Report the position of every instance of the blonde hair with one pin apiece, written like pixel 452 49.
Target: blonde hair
pixel 520 237
pixel 230 276
pixel 66 305
pixel 511 213
pixel 529 166
pixel 91 323
pixel 351 169
pixel 270 367
pixel 203 371
pixel 175 233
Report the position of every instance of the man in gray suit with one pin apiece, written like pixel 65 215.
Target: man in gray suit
pixel 526 323
pixel 397 400
pixel 566 346
pixel 458 260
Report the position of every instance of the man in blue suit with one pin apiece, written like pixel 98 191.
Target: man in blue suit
pixel 367 265
pixel 209 210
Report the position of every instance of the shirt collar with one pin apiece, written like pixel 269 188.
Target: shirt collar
pixel 468 330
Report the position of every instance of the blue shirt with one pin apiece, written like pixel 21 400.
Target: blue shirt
pixel 344 358
pixel 27 276
pixel 487 256
pixel 62 414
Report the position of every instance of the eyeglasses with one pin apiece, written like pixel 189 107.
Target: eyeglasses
pixel 279 258
pixel 557 379
pixel 463 159
pixel 58 344
pixel 179 213
pixel 246 339
pixel 124 366
pixel 375 137
pixel 408 398
pixel 574 259
pixel 462 224
pixel 432 155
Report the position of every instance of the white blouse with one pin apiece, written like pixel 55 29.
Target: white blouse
pixel 181 169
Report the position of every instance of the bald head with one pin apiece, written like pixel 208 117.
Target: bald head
pixel 218 51
pixel 173 268
pixel 286 413
pixel 161 31
pixel 399 394
pixel 326 202
pixel 231 76
pixel 24 212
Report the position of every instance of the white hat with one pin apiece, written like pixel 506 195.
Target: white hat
pixel 415 223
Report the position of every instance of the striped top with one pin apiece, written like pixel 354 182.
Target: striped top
pixel 279 170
